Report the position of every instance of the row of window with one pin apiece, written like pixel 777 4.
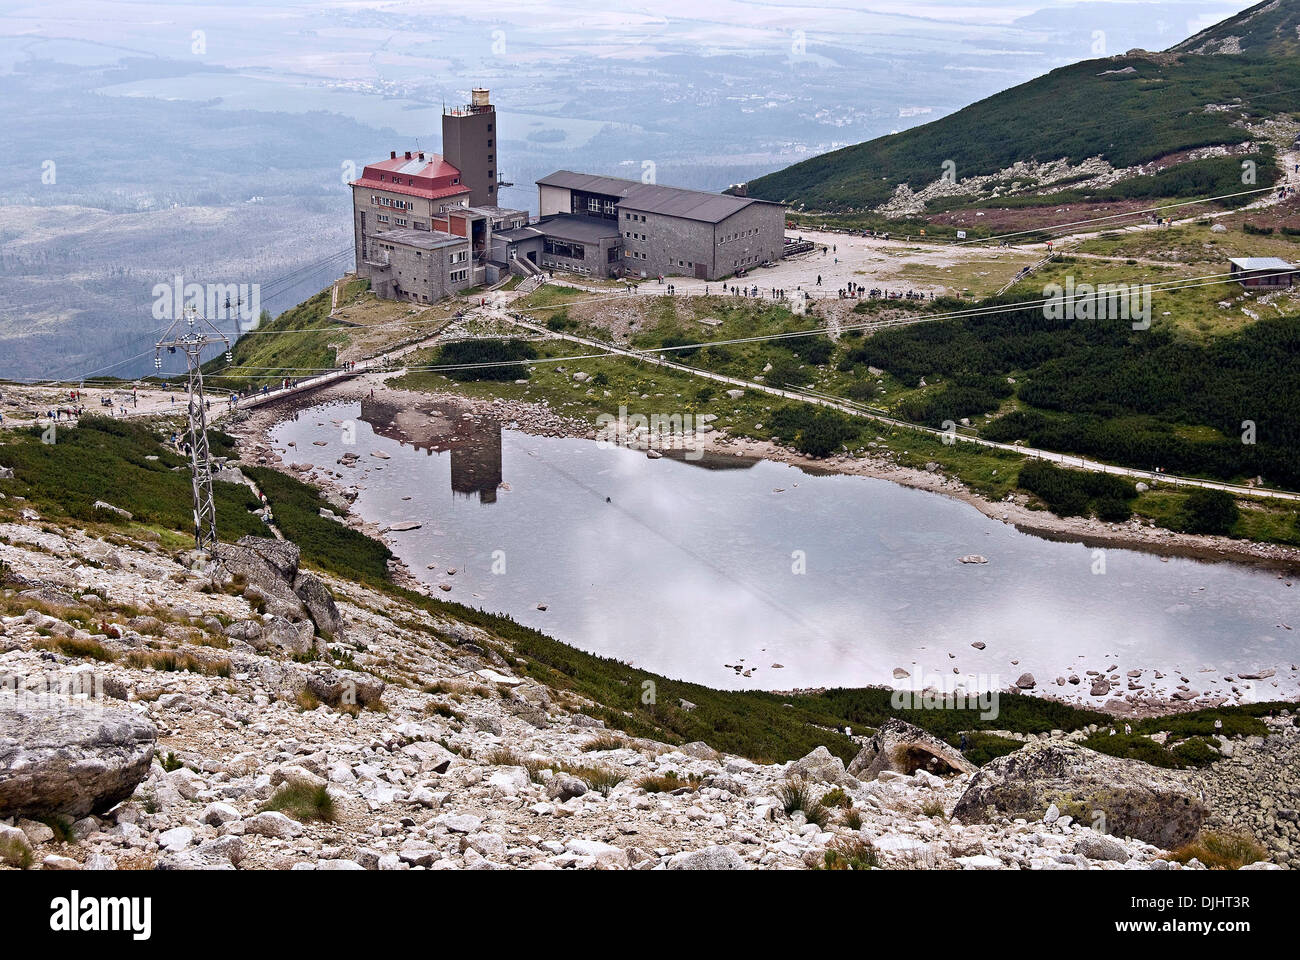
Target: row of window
pixel 410 181
pixel 640 217
pixel 390 202
pixel 565 265
pixel 740 236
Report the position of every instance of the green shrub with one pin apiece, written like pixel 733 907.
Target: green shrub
pixel 1112 509
pixel 814 431
pixel 1195 752
pixel 502 358
pixel 1071 493
pixel 1210 511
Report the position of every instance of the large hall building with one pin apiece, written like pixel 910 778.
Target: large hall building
pixel 428 226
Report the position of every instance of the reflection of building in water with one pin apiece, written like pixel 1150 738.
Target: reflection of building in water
pixel 474 443
pixel 476 463
pixel 711 460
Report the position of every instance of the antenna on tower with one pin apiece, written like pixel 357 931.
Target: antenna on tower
pixel 190 335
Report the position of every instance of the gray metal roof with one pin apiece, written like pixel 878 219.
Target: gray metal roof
pixel 489 210
pixel 425 239
pixel 653 198
pixel 578 228
pixel 519 233
pixel 1261 263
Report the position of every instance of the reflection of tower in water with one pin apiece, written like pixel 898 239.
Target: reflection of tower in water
pixel 474 443
pixel 476 462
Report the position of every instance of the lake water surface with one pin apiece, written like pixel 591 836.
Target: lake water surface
pixel 693 570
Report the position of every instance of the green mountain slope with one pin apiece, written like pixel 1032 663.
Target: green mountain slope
pixel 1128 110
pixel 1271 28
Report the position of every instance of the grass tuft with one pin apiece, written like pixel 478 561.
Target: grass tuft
pixel 302 802
pixel 1220 850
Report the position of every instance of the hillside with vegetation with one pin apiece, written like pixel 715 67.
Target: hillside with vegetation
pixel 1271 27
pixel 1128 111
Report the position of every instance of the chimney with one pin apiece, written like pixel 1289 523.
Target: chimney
pixel 408 154
pixel 392 154
pixel 421 154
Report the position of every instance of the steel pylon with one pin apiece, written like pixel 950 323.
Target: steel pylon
pixel 190 336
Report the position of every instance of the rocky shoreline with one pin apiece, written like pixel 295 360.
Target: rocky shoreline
pixel 1119 697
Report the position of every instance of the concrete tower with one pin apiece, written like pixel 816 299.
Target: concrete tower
pixel 469 138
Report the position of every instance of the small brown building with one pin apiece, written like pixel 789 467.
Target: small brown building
pixel 1262 272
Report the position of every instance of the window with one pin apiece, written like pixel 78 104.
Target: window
pixel 459 257
pixel 593 204
pixel 458 275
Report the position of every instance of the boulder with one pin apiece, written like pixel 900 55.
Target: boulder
pixel 250 631
pixel 1101 847
pixel 272 579
pixel 343 687
pixel 318 600
pixel 281 555
pixel 900 747
pixel 56 760
pixel 564 787
pixel 700 751
pixel 1125 797
pixel 605 855
pixel 710 858
pixel 819 765
pixel 272 823
pixel 15 848
pixel 292 638
pixel 102 506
